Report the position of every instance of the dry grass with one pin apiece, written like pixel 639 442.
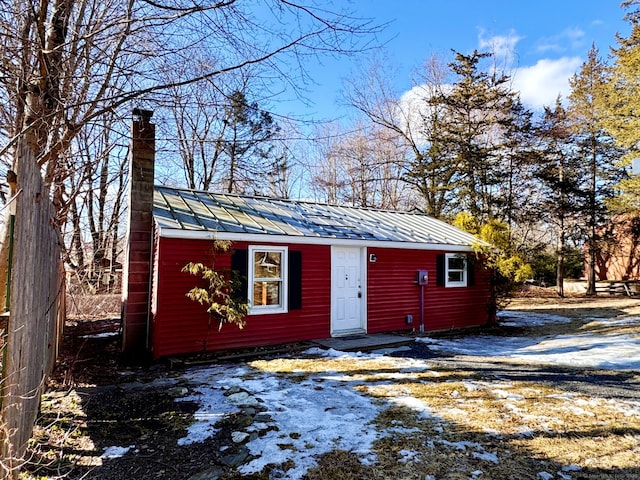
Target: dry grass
pixel 86 306
pixel 342 465
pixel 518 421
pixel 579 308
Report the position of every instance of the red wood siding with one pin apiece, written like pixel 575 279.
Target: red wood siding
pixel 393 294
pixel 180 325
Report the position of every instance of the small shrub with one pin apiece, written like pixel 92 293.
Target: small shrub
pixel 221 296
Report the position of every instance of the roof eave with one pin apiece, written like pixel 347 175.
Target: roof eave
pixel 301 239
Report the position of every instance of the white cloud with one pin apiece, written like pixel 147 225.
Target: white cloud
pixel 414 104
pixel 413 107
pixel 502 46
pixel 569 38
pixel 575 36
pixel 540 84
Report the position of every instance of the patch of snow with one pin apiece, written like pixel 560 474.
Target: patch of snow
pixel 507 395
pixel 462 445
pixel 628 408
pixel 116 452
pixel 545 475
pixel 456 411
pixel 414 404
pixel 486 456
pixel 101 335
pixel 492 432
pixel 514 318
pixel 239 437
pixel 565 395
pixel 213 408
pixel 579 411
pixel 525 432
pixel 330 418
pixel 571 468
pixel 615 322
pixel 513 408
pixel 333 353
pixel 408 455
pixel 244 399
pixel 471 387
pixel 387 351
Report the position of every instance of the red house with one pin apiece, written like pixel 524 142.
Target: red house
pixel 312 270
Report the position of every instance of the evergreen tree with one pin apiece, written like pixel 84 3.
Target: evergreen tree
pixel 517 160
pixel 597 149
pixel 620 100
pixel 247 144
pixel 481 118
pixel 432 169
pixel 560 175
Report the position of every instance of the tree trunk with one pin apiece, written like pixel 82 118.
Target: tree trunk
pixel 560 266
pixel 591 268
pixel 591 279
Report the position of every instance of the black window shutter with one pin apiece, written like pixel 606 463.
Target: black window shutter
pixel 295 280
pixel 471 272
pixel 440 268
pixel 240 265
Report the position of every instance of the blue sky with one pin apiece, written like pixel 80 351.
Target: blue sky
pixel 547 40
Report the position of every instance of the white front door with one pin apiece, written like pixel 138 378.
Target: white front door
pixel 347 291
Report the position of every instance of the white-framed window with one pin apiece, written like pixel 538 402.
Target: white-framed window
pixel 267 279
pixel 455 272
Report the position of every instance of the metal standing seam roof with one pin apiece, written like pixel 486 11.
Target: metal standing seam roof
pixel 180 212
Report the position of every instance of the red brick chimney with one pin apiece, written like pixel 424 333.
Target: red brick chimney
pixel 136 280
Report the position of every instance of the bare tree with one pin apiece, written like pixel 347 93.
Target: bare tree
pixel 328 179
pixel 92 232
pixel 194 130
pixel 224 141
pixel 414 123
pixel 68 63
pixel 364 168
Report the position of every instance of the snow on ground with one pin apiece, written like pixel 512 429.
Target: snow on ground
pixel 313 416
pixel 608 351
pixel 116 452
pixel 101 335
pixel 323 411
pixel 527 319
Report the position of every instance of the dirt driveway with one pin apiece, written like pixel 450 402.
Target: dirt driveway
pixel 431 414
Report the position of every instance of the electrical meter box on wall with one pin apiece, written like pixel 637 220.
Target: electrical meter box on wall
pixel 423 277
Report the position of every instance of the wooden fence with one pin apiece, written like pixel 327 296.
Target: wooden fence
pixel 36 314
